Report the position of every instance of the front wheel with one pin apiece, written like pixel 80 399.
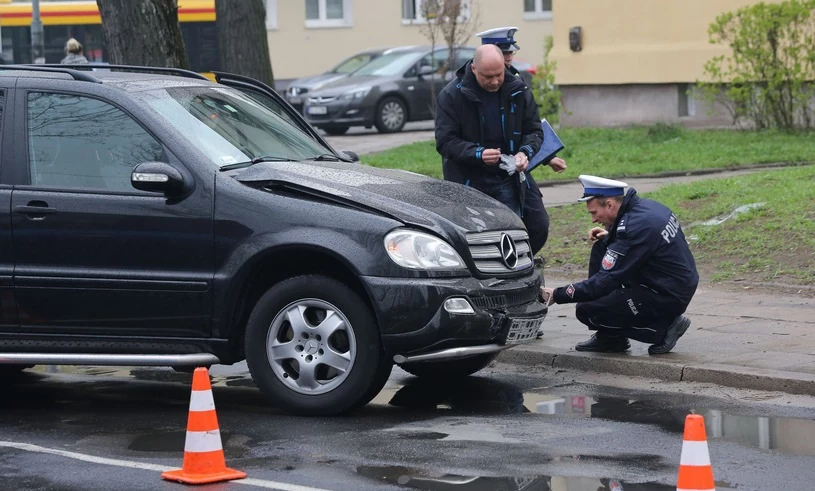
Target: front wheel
pixel 449 368
pixel 313 347
pixel 335 130
pixel 391 115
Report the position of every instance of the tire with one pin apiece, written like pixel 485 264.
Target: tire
pixel 335 130
pixel 297 326
pixel 391 115
pixel 449 368
pixel 11 371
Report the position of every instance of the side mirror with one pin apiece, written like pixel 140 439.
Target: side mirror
pixel 351 155
pixel 425 70
pixel 157 177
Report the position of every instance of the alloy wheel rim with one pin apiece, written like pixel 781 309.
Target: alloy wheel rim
pixel 311 346
pixel 392 115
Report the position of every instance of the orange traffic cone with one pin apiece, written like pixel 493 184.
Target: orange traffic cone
pixel 203 453
pixel 695 471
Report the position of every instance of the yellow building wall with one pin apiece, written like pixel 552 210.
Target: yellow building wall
pixel 298 51
pixel 636 41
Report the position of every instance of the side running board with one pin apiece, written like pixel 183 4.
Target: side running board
pixel 193 359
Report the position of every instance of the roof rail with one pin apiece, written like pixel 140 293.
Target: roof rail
pixel 77 75
pixel 181 72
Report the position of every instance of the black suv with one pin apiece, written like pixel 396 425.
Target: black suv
pixel 153 217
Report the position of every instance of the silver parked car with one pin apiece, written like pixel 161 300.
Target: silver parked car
pixel 298 89
pixel 394 88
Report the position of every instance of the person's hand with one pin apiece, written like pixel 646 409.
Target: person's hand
pixel 557 164
pixel 491 156
pixel 597 233
pixel 521 161
pixel 547 295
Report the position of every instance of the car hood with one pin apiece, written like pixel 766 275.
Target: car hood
pixel 317 81
pixel 347 84
pixel 411 198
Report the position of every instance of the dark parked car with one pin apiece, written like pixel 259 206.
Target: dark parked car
pixel 152 217
pixel 298 90
pixel 387 92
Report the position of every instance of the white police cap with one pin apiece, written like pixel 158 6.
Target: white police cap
pixel 600 187
pixel 503 37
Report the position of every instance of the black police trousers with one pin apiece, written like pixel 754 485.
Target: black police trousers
pixel 633 311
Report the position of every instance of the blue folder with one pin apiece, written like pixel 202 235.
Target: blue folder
pixel 550 147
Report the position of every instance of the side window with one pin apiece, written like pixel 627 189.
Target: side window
pixel 437 60
pixel 463 56
pixel 81 142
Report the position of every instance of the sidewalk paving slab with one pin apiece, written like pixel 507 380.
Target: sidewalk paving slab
pixel 747 340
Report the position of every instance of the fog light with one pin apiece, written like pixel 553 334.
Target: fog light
pixel 458 306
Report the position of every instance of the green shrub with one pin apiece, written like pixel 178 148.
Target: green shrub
pixel 766 80
pixel 546 93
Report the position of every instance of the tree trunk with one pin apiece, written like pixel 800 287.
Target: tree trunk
pixel 143 32
pixel 243 45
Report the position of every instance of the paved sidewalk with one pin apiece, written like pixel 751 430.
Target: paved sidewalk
pixel 746 340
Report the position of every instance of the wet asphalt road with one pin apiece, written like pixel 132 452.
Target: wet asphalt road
pixel 497 431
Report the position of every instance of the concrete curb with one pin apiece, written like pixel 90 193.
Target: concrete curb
pixel 622 364
pixel 690 172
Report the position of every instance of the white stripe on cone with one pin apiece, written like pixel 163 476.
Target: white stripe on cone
pixel 201 400
pixel 203 441
pixel 694 453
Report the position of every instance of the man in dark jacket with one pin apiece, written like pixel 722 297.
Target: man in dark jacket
pixel 483 113
pixel 642 274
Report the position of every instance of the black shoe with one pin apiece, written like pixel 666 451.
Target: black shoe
pixel 539 334
pixel 672 335
pixel 604 343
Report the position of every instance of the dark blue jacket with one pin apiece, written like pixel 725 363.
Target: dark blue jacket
pixel 645 247
pixel 460 124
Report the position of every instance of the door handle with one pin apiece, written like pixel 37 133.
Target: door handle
pixel 35 210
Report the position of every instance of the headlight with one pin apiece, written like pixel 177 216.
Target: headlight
pixel 355 95
pixel 417 250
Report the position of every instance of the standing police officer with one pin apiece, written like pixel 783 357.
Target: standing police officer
pixel 642 275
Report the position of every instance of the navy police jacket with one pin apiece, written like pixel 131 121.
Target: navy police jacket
pixel 645 247
pixel 460 124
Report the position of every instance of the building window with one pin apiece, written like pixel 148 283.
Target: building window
pixel 328 13
pixel 271 14
pixel 413 10
pixel 537 9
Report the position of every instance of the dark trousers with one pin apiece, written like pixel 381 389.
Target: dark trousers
pixel 633 311
pixel 509 191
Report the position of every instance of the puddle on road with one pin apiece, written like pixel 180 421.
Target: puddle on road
pixel 487 396
pixel 413 478
pixel 490 396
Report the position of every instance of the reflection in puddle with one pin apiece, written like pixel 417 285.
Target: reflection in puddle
pixel 478 395
pixel 411 478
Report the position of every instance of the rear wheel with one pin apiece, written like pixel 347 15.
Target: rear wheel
pixel 313 347
pixel 391 115
pixel 449 368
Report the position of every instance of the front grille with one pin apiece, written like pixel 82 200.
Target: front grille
pixel 505 300
pixel 485 250
pixel 320 100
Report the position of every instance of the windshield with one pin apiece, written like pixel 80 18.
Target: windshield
pixel 353 63
pixel 388 65
pixel 230 127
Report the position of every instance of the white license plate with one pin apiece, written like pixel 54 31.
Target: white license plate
pixel 522 330
pixel 317 110
pixel 295 100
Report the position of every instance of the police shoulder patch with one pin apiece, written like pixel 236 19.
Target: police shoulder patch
pixel 570 291
pixel 609 260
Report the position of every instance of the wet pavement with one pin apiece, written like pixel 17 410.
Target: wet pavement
pixel 499 431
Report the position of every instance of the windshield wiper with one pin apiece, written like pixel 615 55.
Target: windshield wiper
pixel 256 160
pixel 328 157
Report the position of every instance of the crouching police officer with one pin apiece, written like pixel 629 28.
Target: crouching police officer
pixel 642 275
